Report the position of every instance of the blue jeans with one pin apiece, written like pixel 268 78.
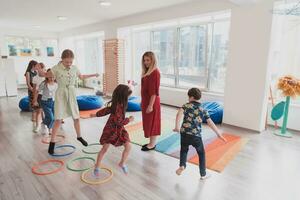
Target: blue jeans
pixel 196 142
pixel 48 106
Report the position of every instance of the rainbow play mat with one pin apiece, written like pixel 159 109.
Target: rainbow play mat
pixel 218 153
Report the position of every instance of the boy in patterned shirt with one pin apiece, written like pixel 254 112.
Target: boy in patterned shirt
pixel 191 129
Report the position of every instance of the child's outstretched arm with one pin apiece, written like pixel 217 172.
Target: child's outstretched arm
pixel 212 125
pixel 178 119
pixel 82 76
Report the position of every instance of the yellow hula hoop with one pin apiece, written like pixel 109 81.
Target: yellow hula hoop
pixel 99 181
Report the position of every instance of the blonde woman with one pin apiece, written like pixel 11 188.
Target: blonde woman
pixel 150 100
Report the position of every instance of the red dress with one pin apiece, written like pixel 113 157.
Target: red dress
pixel 114 132
pixel 151 121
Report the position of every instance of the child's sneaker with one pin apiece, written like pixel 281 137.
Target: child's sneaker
pixel 36 129
pixel 205 177
pixel 124 169
pixel 180 170
pixel 96 173
pixel 44 130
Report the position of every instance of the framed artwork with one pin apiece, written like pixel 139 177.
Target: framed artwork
pixel 50 51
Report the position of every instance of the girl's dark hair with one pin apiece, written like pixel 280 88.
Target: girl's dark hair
pixel 119 97
pixel 42 65
pixel 67 53
pixel 46 79
pixel 31 64
pixel 195 92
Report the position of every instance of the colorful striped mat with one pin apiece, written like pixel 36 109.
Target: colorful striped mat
pixel 218 153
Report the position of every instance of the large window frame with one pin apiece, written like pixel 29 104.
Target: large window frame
pixel 210 76
pixel 209 26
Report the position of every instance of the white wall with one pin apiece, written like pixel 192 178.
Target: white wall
pixel 245 101
pixel 22 62
pixel 247 72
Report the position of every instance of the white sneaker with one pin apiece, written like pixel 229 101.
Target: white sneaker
pixel 36 129
pixel 206 176
pixel 44 130
pixel 33 126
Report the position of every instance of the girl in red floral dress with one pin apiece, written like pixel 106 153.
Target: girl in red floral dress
pixel 114 132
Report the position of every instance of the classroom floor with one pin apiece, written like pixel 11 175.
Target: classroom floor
pixel 267 168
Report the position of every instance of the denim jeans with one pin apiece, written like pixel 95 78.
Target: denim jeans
pixel 196 142
pixel 48 106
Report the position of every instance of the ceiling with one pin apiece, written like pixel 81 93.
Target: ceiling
pixel 42 14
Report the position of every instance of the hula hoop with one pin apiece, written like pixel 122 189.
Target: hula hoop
pixel 69 164
pixel 36 166
pixel 46 139
pixel 65 154
pixel 99 181
pixel 85 150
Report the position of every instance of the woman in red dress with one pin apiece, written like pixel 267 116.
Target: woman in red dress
pixel 150 100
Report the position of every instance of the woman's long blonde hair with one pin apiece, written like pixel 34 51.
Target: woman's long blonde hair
pixel 152 67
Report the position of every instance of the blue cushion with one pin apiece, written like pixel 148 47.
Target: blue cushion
pixel 89 102
pixel 24 104
pixel 215 110
pixel 134 104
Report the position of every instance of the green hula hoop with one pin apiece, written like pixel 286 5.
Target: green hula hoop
pixel 69 164
pixel 85 150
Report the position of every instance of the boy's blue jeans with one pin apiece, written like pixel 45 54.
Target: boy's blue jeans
pixel 196 142
pixel 48 106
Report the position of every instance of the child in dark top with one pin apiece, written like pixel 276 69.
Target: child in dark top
pixel 114 132
pixel 191 129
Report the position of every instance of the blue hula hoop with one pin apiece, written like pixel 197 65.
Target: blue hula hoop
pixel 65 154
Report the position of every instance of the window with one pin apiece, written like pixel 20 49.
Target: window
pixel 219 54
pixel 89 55
pixel 191 52
pixel 284 54
pixel 192 63
pixel 141 44
pixel 163 47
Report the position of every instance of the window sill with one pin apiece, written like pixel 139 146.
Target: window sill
pixel 185 90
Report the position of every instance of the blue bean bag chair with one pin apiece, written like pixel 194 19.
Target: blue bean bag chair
pixel 89 102
pixel 24 104
pixel 134 104
pixel 215 110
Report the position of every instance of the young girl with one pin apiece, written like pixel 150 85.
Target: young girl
pixel 48 88
pixel 191 130
pixel 114 132
pixel 65 106
pixel 37 95
pixel 29 74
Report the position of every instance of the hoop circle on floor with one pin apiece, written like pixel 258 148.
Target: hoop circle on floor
pixel 83 177
pixel 69 164
pixel 36 166
pixel 65 154
pixel 85 150
pixel 46 139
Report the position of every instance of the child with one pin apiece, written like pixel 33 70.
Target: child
pixel 37 95
pixel 114 132
pixel 65 106
pixel 191 130
pixel 48 88
pixel 29 74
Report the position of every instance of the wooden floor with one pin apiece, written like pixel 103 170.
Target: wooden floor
pixel 268 167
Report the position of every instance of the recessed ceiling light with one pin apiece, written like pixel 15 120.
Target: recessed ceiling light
pixel 62 18
pixel 36 26
pixel 105 3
